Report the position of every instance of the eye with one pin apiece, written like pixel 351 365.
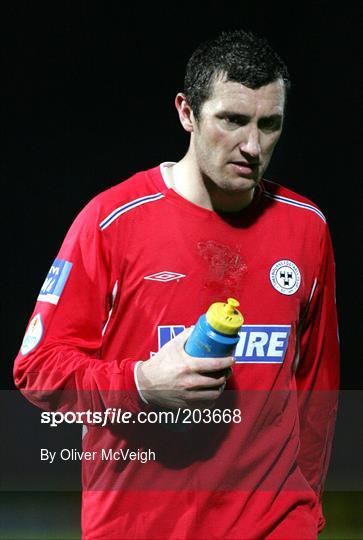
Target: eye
pixel 234 121
pixel 270 124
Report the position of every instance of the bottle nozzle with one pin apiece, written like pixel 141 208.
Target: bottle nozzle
pixel 225 317
pixel 232 303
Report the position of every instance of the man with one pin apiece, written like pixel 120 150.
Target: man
pixel 139 265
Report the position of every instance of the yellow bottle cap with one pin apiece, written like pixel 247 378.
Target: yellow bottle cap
pixel 224 317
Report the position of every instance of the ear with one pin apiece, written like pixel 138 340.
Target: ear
pixel 185 112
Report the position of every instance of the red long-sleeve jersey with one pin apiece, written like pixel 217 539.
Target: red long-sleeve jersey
pixel 139 264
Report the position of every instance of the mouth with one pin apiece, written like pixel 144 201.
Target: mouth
pixel 244 167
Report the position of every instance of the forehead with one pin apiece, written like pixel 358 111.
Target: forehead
pixel 235 97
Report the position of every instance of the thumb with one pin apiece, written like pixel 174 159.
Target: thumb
pixel 183 336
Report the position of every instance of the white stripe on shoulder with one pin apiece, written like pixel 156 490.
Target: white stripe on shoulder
pixel 292 202
pixel 128 206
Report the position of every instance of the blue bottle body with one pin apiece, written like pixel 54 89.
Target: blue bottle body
pixel 205 341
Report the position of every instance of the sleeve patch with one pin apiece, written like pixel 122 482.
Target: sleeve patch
pixel 55 281
pixel 33 335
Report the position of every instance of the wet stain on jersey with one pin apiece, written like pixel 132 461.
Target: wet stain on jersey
pixel 225 266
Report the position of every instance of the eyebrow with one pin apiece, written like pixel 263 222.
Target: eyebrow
pixel 246 116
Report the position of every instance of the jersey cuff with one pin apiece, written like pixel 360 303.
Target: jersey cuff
pixel 137 382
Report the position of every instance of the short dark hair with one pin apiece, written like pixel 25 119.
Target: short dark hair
pixel 238 56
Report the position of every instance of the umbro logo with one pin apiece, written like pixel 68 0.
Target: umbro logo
pixel 164 276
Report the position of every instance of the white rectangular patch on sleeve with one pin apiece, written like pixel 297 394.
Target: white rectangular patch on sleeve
pixel 55 281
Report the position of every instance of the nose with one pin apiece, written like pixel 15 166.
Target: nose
pixel 251 143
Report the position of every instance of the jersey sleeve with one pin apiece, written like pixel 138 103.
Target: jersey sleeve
pixel 60 364
pixel 317 375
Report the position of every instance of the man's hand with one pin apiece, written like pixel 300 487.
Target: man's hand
pixel 173 379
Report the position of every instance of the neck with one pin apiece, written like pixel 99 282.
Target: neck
pixel 186 179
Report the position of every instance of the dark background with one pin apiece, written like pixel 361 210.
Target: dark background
pixel 87 99
pixel 87 95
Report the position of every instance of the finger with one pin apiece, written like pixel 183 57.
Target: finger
pixel 183 336
pixel 207 365
pixel 203 395
pixel 221 373
pixel 202 382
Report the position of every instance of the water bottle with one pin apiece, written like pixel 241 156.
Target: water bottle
pixel 216 332
pixel 214 335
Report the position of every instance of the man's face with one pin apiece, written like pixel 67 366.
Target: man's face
pixel 236 133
